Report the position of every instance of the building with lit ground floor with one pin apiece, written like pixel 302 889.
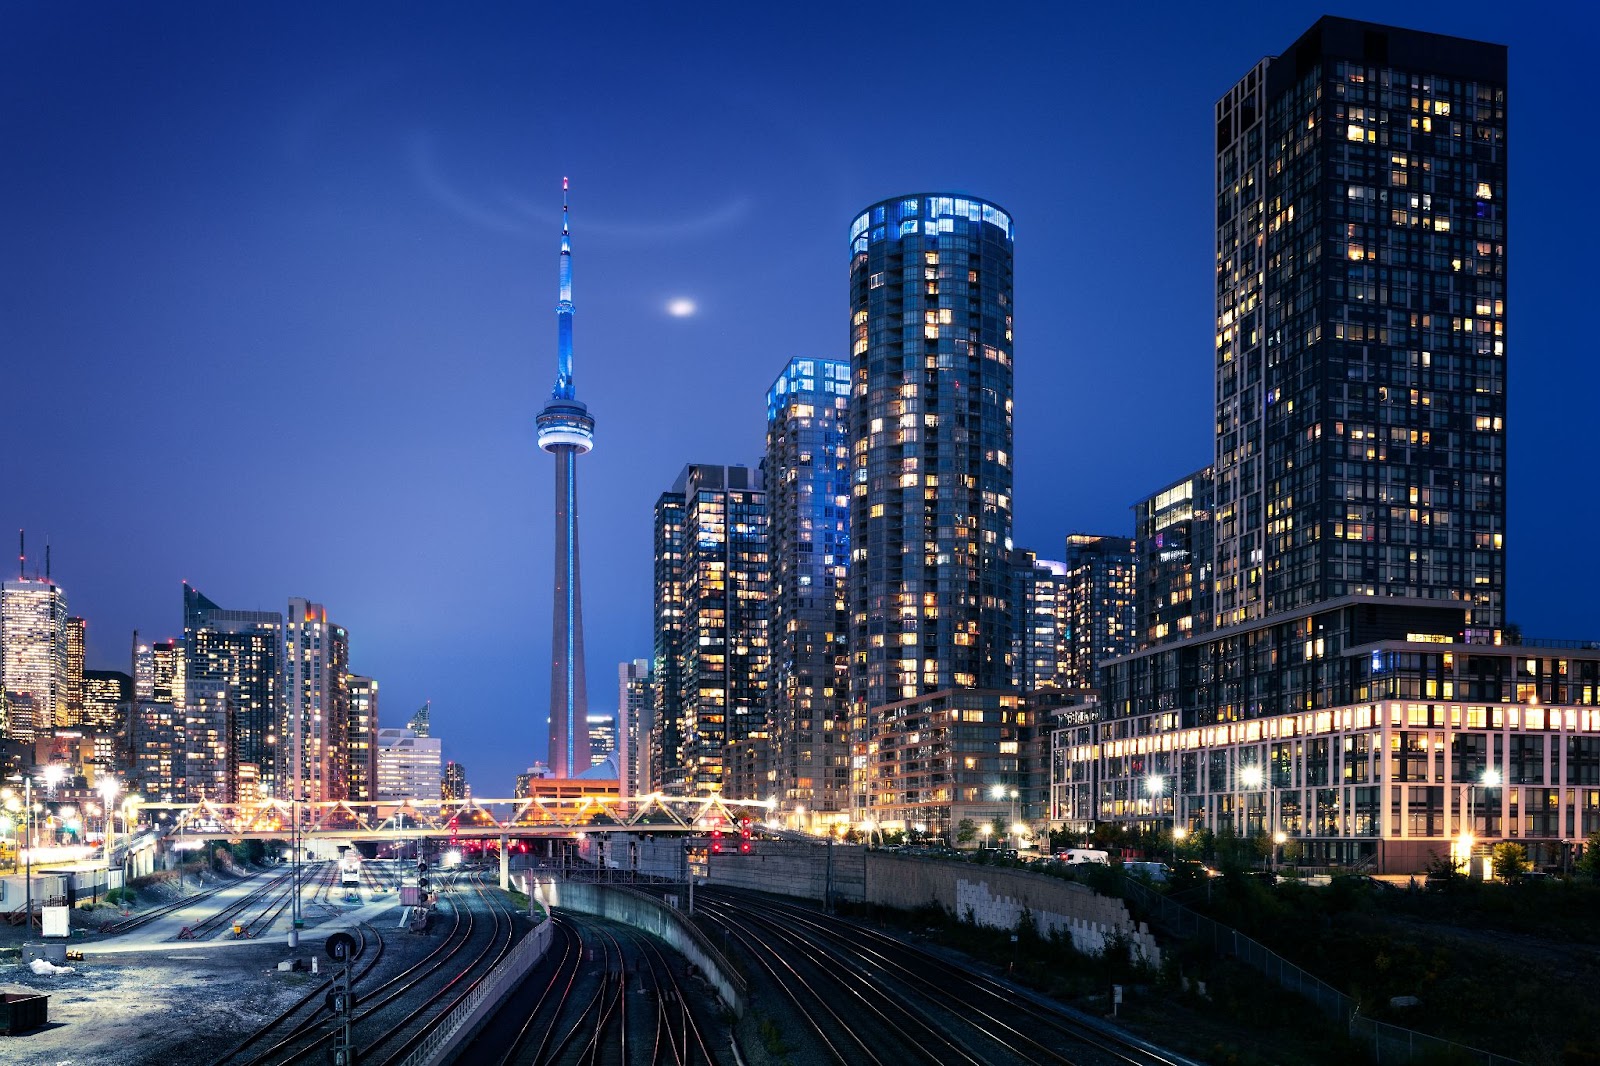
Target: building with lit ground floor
pixel 942 758
pixel 1368 733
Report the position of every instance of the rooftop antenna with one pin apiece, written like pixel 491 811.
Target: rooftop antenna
pixel 22 554
pixel 47 558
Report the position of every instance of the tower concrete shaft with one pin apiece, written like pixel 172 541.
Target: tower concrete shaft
pixel 567 430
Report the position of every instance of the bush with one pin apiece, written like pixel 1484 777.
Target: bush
pixel 122 895
pixel 1511 861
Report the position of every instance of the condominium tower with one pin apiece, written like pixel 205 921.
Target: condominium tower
pixel 243 652
pixel 807 474
pixel 1360 332
pixel 930 505
pixel 712 533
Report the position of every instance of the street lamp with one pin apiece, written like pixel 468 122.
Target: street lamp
pixel 1278 840
pixel 1178 834
pixel 986 830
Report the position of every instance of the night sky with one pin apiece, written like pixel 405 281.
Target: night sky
pixel 277 290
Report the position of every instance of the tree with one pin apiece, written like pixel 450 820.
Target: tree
pixel 966 831
pixel 1589 861
pixel 1510 861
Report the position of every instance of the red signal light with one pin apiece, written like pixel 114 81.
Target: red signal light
pixel 744 847
pixel 716 842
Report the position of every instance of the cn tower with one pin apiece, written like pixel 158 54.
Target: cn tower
pixel 567 431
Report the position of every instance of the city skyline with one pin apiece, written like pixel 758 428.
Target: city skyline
pixel 447 473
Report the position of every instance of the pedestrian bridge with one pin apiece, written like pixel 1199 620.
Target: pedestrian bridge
pixel 563 814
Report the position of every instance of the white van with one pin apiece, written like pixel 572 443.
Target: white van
pixel 1084 855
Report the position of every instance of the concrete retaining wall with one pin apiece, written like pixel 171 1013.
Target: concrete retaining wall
pixel 998 897
pixel 651 915
pixel 993 896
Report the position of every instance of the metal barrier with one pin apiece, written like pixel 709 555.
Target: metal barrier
pixel 1389 1043
pixel 440 1045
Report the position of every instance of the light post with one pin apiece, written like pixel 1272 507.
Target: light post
pixel 294 880
pixel 986 830
pixel 1178 834
pixel 1154 786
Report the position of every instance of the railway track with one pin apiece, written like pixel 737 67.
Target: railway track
pixel 586 1005
pixel 869 997
pixel 390 1018
pixel 267 899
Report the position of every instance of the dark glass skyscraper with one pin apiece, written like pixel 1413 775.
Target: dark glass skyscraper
pixel 242 651
pixel 566 429
pixel 807 475
pixel 1361 318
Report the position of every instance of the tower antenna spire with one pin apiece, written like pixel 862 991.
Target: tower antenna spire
pixel 22 554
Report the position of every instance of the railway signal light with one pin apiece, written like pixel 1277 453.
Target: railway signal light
pixel 716 842
pixel 744 836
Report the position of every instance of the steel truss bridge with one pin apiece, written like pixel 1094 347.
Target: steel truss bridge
pixel 552 816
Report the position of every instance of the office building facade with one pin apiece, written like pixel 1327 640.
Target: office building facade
pixel 243 651
pixel 33 652
pixel 805 760
pixel 931 467
pixel 453 783
pixel 409 766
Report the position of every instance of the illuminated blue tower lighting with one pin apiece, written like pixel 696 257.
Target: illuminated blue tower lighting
pixel 566 429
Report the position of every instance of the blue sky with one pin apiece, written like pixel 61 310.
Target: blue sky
pixel 278 284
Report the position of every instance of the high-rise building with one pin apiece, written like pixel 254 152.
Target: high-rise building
pixel 807 475
pixel 243 650
pixel 159 672
pixel 1101 577
pixel 106 694
pixel 1173 557
pixel 1042 636
pixel 664 768
pixel 453 785
pixel 566 429
pixel 158 751
pixel 409 766
pixel 1353 690
pixel 208 726
pixel 634 715
pixel 602 737
pixel 718 635
pixel 33 650
pixel 69 709
pixel 316 705
pixel 1361 315
pixel 930 507
pixel 361 741
pixel 419 723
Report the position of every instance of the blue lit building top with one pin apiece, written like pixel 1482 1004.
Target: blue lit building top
pixel 811 376
pixel 929 214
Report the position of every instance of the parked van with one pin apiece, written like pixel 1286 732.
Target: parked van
pixel 1084 855
pixel 1158 872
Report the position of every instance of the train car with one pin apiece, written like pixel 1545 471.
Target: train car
pixel 350 872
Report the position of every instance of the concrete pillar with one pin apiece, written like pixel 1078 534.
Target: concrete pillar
pixel 505 861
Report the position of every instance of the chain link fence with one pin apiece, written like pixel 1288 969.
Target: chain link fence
pixel 1389 1043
